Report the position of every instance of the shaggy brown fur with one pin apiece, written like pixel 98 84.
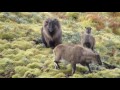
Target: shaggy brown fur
pixel 51 33
pixel 87 40
pixel 75 54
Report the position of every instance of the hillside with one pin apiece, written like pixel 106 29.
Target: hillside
pixel 20 57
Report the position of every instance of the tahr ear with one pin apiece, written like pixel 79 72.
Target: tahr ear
pixel 46 21
pixel 56 22
pixel 90 28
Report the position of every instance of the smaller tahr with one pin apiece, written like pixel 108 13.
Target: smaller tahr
pixel 87 40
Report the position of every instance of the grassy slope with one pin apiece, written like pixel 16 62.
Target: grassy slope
pixel 20 57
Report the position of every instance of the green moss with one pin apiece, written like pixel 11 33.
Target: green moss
pixel 19 56
pixel 110 73
pixel 5 62
pixel 7 36
pixel 16 76
pixel 29 53
pixel 34 51
pixel 1 48
pixel 32 73
pixel 68 69
pixel 45 75
pixel 3 41
pixel 21 70
pixel 5 46
pixel 6 67
pixel 104 74
pixel 1 71
pixel 9 51
pixel 24 45
pixel 92 75
pixel 11 56
pixel 60 75
pixel 40 56
pixel 18 63
pixel 81 68
pixel 34 65
pixel 76 76
pixel 47 62
pixel 35 60
pixel 22 62
pixel 51 65
pixel 53 73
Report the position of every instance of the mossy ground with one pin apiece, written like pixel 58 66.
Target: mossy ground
pixel 20 57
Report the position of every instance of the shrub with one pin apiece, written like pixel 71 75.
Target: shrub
pixel 32 73
pixel 21 70
pixel 24 45
pixel 73 15
pixel 34 65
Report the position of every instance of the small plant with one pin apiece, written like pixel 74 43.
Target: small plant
pixel 73 15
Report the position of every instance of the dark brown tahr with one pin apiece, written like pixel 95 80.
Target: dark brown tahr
pixel 51 33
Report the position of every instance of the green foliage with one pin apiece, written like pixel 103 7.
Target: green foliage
pixel 33 65
pixel 7 36
pixel 59 75
pixel 21 70
pixel 32 73
pixel 24 45
pixel 6 67
pixel 73 15
pixel 81 69
pixel 76 76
